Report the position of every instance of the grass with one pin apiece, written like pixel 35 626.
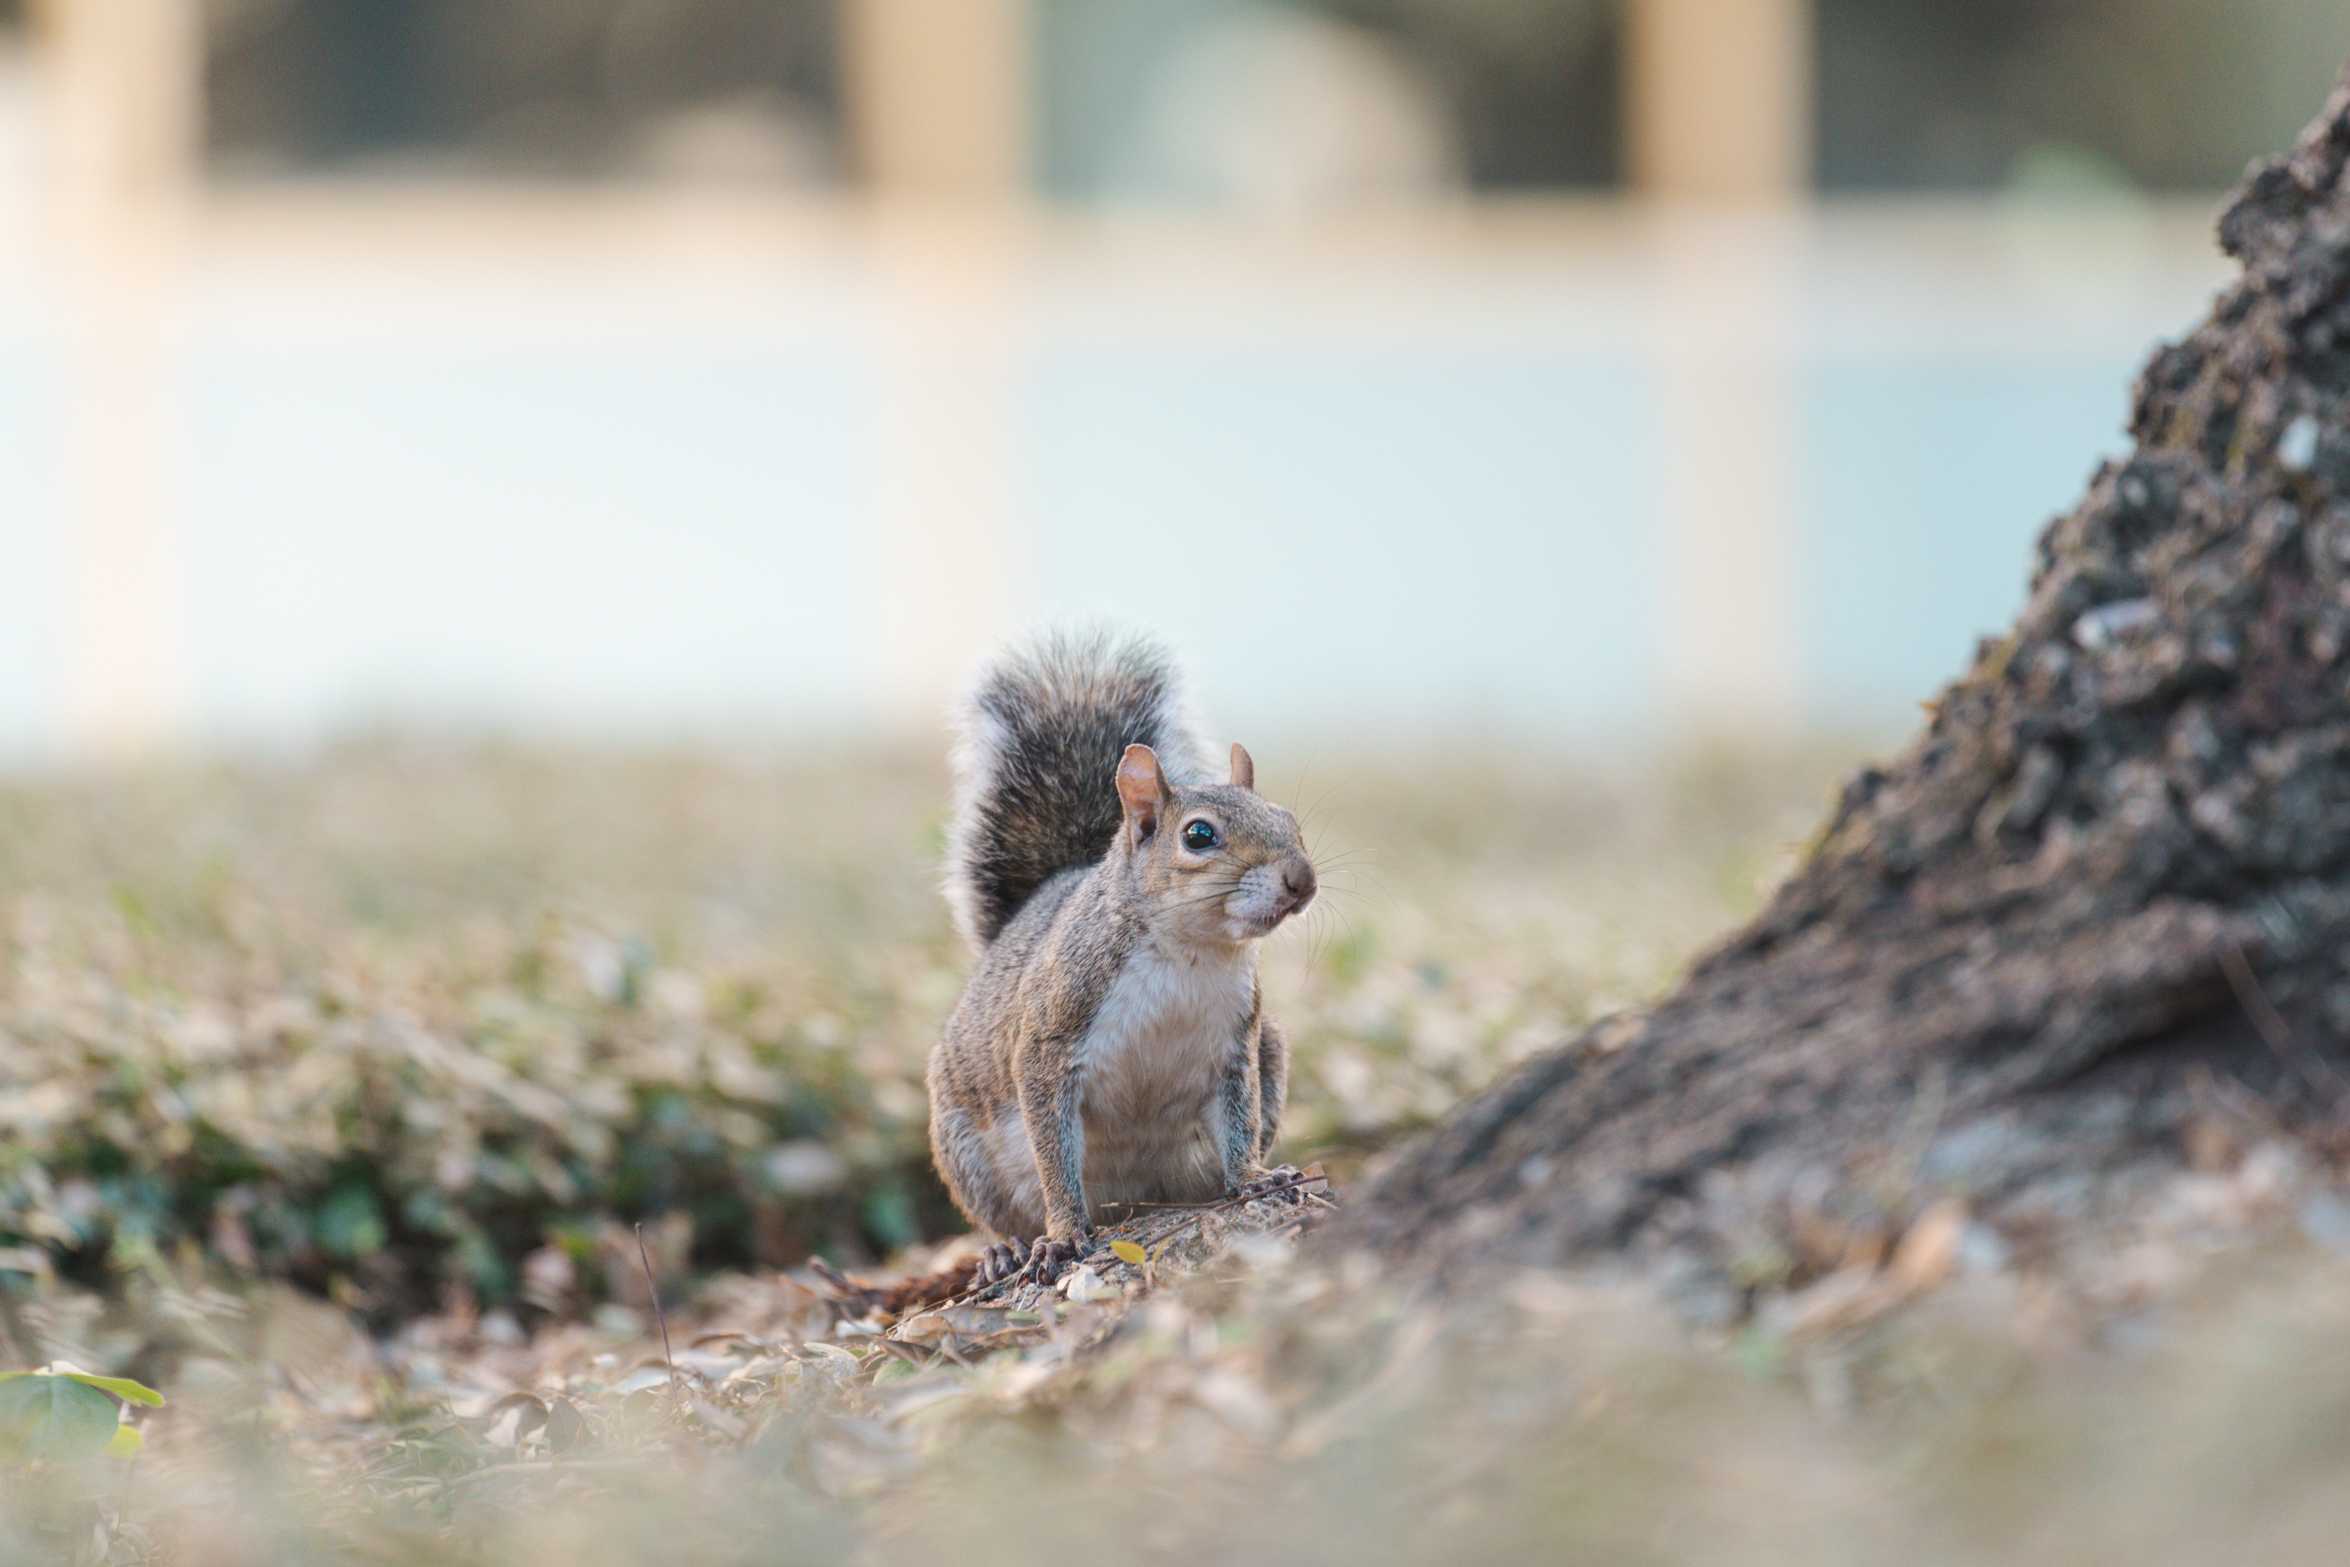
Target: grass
pixel 403 1019
pixel 331 1090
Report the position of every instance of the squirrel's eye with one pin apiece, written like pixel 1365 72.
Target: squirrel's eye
pixel 1199 837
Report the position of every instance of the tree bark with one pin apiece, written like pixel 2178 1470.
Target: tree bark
pixel 2108 883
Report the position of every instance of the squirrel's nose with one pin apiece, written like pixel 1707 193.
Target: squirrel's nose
pixel 1297 879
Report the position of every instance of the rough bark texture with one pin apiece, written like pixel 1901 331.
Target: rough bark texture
pixel 2111 876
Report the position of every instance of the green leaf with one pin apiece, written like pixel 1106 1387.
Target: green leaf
pixel 121 1387
pixel 890 1217
pixel 126 1442
pixel 829 1348
pixel 124 1388
pixel 351 1224
pixel 1127 1251
pixel 57 1418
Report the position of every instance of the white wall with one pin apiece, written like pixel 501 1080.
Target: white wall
pixel 1575 472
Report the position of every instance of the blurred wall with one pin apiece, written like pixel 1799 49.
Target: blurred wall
pixel 688 366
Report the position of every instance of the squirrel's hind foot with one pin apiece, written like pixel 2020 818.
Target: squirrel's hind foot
pixel 1287 1182
pixel 1041 1261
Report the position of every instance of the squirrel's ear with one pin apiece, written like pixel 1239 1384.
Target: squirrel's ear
pixel 1142 788
pixel 1244 767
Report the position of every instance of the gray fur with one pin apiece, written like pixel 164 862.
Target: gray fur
pixel 1110 1046
pixel 1272 1079
pixel 1037 740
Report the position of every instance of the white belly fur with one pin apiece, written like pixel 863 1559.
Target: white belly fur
pixel 1153 1064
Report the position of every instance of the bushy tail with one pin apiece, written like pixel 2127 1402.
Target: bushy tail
pixel 1036 762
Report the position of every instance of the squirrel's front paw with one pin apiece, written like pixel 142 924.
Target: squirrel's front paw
pixel 1050 1257
pixel 1002 1260
pixel 1041 1260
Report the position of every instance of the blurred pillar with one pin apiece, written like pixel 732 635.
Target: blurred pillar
pixel 129 77
pixel 1719 97
pixel 949 356
pixel 1729 396
pixel 938 109
pixel 126 79
pixel 1719 103
pixel 938 95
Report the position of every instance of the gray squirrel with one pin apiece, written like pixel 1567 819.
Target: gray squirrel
pixel 1111 1045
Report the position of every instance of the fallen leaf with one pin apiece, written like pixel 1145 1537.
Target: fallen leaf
pixel 1928 1252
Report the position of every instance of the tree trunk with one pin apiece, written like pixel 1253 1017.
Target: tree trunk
pixel 2108 884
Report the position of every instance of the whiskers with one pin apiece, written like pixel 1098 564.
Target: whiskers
pixel 1329 919
pixel 1324 921
pixel 1223 887
pixel 1337 874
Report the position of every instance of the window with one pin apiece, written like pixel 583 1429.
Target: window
pixel 2149 94
pixel 730 87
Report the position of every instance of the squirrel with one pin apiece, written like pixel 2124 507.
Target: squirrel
pixel 1111 1046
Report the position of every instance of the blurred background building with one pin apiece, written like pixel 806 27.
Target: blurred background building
pixel 1574 371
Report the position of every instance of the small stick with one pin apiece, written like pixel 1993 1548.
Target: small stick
pixel 1293 1183
pixel 2313 1070
pixel 12 1328
pixel 523 1469
pixel 654 1290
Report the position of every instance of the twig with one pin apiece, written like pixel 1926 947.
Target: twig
pixel 546 1466
pixel 892 1349
pixel 21 1347
pixel 2314 1071
pixel 1297 1182
pixel 654 1290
